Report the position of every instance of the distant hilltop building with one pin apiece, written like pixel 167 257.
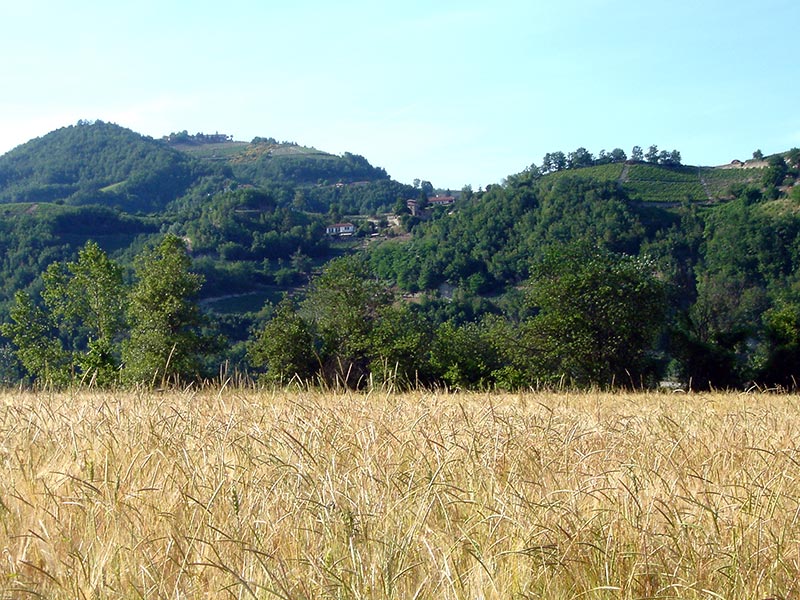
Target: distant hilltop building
pixel 183 137
pixel 433 201
pixel 341 229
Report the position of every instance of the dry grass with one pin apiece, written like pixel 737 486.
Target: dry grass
pixel 260 495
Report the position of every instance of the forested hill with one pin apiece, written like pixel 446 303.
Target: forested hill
pixel 502 286
pixel 96 163
pixel 103 163
pixel 495 236
pixel 728 260
pixel 254 213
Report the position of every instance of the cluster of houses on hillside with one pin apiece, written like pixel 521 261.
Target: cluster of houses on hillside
pixel 348 229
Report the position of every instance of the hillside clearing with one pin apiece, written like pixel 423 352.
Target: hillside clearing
pixel 427 495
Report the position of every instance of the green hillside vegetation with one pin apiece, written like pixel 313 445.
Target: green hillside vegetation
pixel 103 163
pixel 206 147
pixel 34 235
pixel 96 163
pixel 608 172
pixel 254 214
pixel 644 182
pixel 649 183
pixel 320 180
pixel 222 151
pixel 719 182
pixel 185 182
pixel 728 266
pixel 532 282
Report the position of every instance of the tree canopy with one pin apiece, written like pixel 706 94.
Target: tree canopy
pixel 89 326
pixel 165 321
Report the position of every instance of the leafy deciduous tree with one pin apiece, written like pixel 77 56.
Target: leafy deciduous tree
pixel 35 337
pixel 553 162
pixel 599 315
pixel 462 356
pixel 580 158
pixel 776 171
pixel 399 346
pixel 285 346
pixel 618 155
pixel 165 320
pixel 78 329
pixel 342 305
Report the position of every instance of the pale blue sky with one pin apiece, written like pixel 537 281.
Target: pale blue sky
pixel 456 93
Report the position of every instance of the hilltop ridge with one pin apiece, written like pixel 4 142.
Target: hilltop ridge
pixel 104 163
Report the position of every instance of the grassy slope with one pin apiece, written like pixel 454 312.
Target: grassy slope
pixel 221 151
pixel 310 495
pixel 244 152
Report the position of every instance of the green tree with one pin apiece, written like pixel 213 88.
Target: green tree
pixel 463 356
pixel 399 346
pixel 782 363
pixel 422 201
pixel 299 202
pixel 400 207
pixel 580 158
pixel 79 327
pixel 285 346
pixel 89 295
pixel 599 314
pixel 553 162
pixel 342 306
pixel 669 159
pixel 36 340
pixel 776 171
pixel 89 291
pixel 165 320
pixel 737 330
pixel 793 158
pixel 344 331
pixel 618 155
pixel 301 262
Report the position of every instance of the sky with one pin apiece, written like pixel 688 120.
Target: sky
pixel 453 92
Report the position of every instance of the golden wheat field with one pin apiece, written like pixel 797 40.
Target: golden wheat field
pixel 255 494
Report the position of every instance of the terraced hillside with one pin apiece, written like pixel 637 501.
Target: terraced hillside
pixel 643 182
